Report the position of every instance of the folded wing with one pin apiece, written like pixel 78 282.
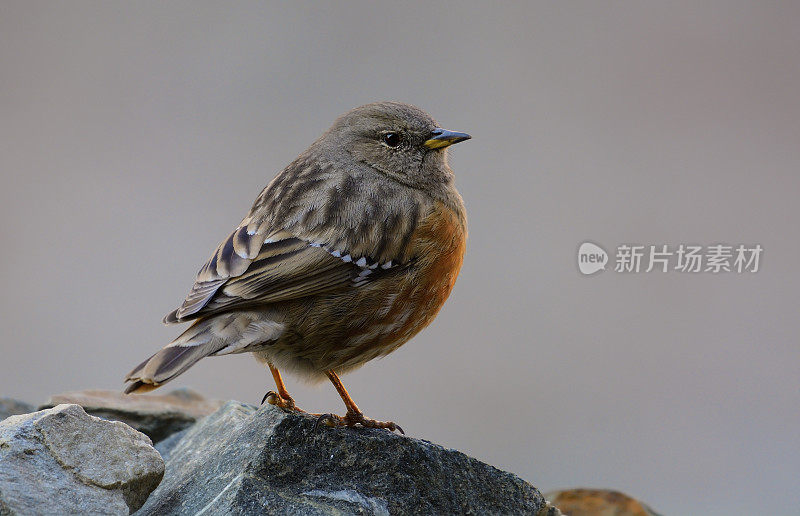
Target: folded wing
pixel 247 270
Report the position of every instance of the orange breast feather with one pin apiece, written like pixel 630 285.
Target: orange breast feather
pixel 438 247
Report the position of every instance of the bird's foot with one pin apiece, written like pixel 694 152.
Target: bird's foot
pixel 286 402
pixel 357 418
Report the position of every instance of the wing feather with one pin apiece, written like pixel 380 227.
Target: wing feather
pixel 284 268
pixel 285 248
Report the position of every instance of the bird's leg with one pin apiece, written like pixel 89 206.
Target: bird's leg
pixel 354 415
pixel 281 398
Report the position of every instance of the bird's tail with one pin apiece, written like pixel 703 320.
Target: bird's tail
pixel 228 333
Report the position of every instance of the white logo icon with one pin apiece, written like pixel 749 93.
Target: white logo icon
pixel 591 258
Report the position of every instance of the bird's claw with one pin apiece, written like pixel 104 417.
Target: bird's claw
pixel 270 397
pixel 287 403
pixel 356 418
pixel 331 420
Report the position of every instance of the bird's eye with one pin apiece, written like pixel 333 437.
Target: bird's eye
pixel 391 139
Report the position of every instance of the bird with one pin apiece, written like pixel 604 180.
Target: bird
pixel 348 253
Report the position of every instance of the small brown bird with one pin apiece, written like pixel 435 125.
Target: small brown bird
pixel 348 253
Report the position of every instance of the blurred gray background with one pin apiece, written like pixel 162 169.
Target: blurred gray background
pixel 134 137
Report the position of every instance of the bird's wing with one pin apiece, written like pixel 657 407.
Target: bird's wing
pixel 311 231
pixel 250 269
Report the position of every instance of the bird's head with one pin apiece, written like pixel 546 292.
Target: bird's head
pixel 398 140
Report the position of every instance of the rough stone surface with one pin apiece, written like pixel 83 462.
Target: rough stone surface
pixel 165 446
pixel 550 510
pixel 64 461
pixel 12 407
pixel 158 416
pixel 598 502
pixel 244 460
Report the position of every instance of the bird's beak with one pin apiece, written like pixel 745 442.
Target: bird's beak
pixel 441 138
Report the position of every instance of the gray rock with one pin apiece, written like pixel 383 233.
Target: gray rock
pixel 165 446
pixel 12 407
pixel 64 461
pixel 244 460
pixel 550 510
pixel 158 416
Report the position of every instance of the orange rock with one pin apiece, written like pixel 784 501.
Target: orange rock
pixel 597 502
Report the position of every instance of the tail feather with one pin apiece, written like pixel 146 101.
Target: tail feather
pixel 139 387
pixel 164 366
pixel 228 333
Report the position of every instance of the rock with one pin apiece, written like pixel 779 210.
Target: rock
pixel 598 502
pixel 12 407
pixel 165 446
pixel 158 416
pixel 248 460
pixel 550 510
pixel 64 461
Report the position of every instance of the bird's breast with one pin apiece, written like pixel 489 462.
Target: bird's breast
pixel 387 312
pixel 413 300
